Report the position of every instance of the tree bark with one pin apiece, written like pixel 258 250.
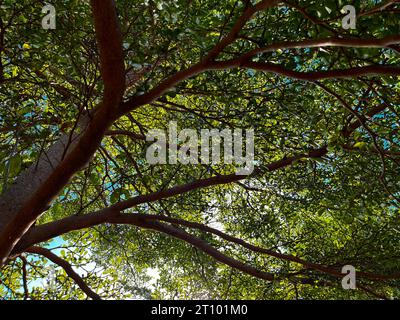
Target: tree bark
pixel 35 189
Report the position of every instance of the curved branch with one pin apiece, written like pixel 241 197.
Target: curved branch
pixel 67 268
pixel 152 222
pixel 379 8
pixel 240 23
pixel 257 249
pixel 196 242
pixel 52 229
pixel 208 64
pixel 309 76
pixel 199 67
pixel 327 42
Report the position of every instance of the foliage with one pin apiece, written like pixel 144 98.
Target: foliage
pixel 335 209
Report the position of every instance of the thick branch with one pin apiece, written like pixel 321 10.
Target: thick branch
pixel 22 216
pixel 153 222
pixel 109 42
pixel 50 230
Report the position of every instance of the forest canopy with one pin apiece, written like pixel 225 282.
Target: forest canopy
pixel 84 215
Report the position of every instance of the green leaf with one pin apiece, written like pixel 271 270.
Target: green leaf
pixel 15 165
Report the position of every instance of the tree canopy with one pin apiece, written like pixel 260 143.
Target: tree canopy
pixel 84 215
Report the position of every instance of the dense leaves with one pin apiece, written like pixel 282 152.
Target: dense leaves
pixel 335 209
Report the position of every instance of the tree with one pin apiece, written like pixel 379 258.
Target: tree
pixel 81 203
